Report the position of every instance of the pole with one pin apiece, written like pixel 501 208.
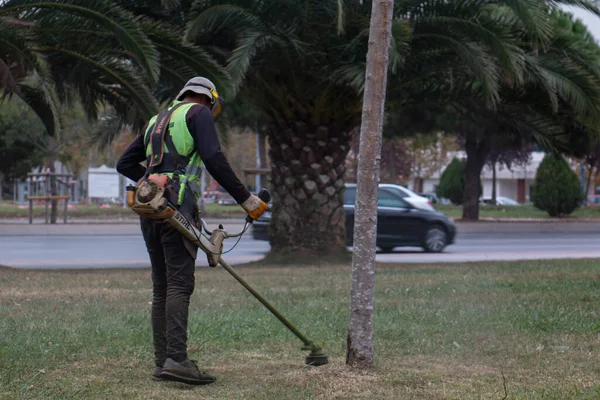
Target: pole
pixel 258 164
pixel 265 303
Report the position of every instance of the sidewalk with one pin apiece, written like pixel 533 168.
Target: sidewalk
pixel 96 227
pixel 87 227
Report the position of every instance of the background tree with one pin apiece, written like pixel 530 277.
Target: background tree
pixel 592 163
pixel 567 70
pixel 452 182
pixel 301 64
pixel 395 161
pixel 18 155
pixel 556 189
pixel 507 155
pixel 428 154
pixel 531 91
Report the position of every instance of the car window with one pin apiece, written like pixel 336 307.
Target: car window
pixel 397 192
pixel 350 196
pixel 389 199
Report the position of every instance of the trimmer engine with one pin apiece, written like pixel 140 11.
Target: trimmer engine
pixel 150 200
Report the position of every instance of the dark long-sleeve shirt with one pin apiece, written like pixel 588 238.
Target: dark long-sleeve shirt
pixel 201 125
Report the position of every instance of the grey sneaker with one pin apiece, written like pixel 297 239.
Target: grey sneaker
pixel 156 375
pixel 185 372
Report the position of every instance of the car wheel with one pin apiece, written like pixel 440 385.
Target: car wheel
pixel 436 239
pixel 387 249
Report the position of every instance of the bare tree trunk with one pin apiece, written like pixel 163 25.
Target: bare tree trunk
pixel 53 184
pixel 494 194
pixel 476 154
pixel 359 352
pixel 587 186
pixel 262 150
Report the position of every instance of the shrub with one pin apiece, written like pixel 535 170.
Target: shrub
pixel 556 189
pixel 452 182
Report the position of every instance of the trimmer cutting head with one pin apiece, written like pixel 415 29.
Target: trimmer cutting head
pixel 316 358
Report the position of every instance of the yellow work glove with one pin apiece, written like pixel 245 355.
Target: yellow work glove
pixel 254 206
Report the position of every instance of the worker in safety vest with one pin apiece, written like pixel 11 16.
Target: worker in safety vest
pixel 189 142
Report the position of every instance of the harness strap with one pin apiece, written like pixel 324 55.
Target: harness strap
pixel 157 138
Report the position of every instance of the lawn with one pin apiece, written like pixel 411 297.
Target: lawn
pixel 10 211
pixel 441 332
pixel 522 211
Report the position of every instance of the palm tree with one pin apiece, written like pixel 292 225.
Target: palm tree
pixel 544 100
pixel 302 64
pixel 119 66
pixel 103 55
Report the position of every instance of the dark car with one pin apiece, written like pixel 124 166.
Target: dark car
pixel 398 223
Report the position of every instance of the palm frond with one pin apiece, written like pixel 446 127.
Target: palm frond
pixel 216 18
pixel 184 59
pixel 107 15
pixel 589 5
pixel 476 59
pixel 18 58
pixel 42 100
pixel 109 126
pixel 116 72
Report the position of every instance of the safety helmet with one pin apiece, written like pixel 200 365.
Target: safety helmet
pixel 202 85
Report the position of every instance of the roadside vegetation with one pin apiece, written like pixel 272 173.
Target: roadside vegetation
pixel 524 211
pixel 10 211
pixel 526 330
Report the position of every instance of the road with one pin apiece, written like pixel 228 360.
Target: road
pixel 121 245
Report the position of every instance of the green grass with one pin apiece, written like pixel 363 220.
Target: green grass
pixel 522 211
pixel 10 211
pixel 441 332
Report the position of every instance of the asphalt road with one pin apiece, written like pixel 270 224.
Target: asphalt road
pixel 121 245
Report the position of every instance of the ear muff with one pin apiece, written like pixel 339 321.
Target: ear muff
pixel 217 103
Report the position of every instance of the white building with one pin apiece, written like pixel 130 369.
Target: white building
pixel 514 183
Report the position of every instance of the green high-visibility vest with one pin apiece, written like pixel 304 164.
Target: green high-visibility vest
pixel 184 145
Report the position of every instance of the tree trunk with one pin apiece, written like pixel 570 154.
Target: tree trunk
pixel 359 351
pixel 1 187
pixel 53 184
pixel 494 183
pixel 587 186
pixel 262 150
pixel 476 154
pixel 307 180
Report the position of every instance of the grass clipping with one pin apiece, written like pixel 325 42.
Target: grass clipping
pixel 482 331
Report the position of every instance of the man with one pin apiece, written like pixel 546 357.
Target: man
pixel 191 134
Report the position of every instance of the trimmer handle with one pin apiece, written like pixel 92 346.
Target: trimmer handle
pixel 265 196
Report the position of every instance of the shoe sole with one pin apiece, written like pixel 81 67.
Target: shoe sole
pixel 157 378
pixel 182 379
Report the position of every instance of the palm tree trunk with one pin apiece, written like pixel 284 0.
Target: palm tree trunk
pixel 307 178
pixel 476 154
